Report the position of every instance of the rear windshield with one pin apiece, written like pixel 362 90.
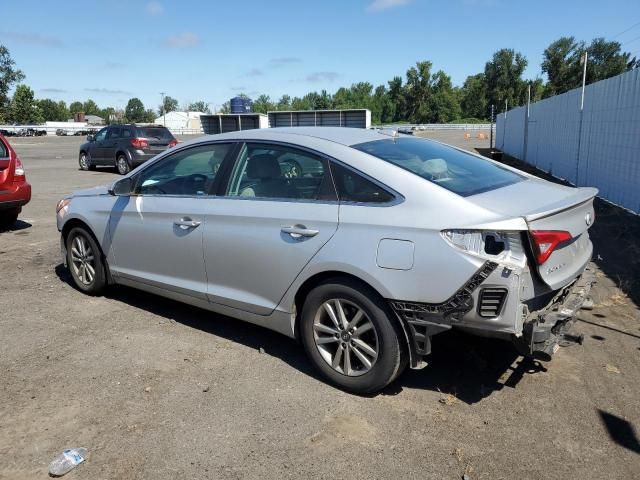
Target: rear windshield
pixel 457 171
pixel 160 133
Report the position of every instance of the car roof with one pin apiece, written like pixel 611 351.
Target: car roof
pixel 342 135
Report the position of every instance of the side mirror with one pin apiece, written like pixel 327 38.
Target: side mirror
pixel 122 187
pixel 90 138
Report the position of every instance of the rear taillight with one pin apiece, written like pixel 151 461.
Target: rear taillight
pixel 173 143
pixel 18 173
pixel 139 142
pixel 546 241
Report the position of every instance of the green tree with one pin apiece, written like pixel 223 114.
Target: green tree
pixel 284 103
pixel 444 102
pixel 76 107
pixel 473 97
pixel 557 64
pixel 503 74
pixel 53 111
pixel 397 99
pixel 263 104
pixel 135 112
pixel 563 63
pixel 24 108
pixel 90 108
pixel 9 75
pixel 225 108
pixel 168 104
pixel 199 106
pixel 417 92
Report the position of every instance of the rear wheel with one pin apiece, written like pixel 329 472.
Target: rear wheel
pixel 123 165
pixel 85 262
pixel 349 336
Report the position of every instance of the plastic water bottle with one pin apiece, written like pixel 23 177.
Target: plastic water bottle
pixel 67 460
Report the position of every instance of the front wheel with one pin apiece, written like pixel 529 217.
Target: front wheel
pixel 123 165
pixel 84 162
pixel 85 262
pixel 350 337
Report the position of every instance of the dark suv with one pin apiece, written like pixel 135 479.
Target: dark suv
pixel 125 146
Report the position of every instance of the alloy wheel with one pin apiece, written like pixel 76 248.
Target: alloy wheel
pixel 345 337
pixel 82 260
pixel 123 166
pixel 84 165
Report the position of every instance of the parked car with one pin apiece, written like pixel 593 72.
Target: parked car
pixel 124 146
pixel 15 192
pixel 380 242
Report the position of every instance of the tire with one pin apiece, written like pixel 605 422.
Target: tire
pixel 8 218
pixel 83 250
pixel 122 164
pixel 84 162
pixel 322 337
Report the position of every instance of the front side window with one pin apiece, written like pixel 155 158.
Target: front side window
pixel 100 136
pixel 274 171
pixel 457 171
pixel 190 172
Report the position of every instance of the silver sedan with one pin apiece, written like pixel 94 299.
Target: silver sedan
pixel 362 244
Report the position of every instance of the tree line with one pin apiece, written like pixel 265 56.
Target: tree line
pixel 422 96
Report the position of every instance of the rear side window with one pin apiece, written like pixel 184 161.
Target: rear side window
pixel 126 133
pixel 353 187
pixel 4 153
pixel 160 133
pixel 457 171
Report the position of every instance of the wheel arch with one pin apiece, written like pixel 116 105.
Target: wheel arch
pixel 77 222
pixel 321 277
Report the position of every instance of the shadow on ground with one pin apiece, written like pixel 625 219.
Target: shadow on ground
pixel 467 367
pixel 620 430
pixel 16 227
pixel 615 235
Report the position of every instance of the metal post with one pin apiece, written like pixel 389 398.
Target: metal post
pixel 491 133
pixel 526 126
pixel 584 80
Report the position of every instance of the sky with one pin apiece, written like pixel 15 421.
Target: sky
pixel 110 51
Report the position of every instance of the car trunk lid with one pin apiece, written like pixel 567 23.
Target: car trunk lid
pixel 548 209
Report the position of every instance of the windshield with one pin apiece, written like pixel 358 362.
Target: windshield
pixel 160 133
pixel 457 171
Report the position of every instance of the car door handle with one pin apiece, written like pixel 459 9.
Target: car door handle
pixel 186 223
pixel 298 231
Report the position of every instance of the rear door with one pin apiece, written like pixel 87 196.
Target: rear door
pixel 159 138
pixel 267 226
pixel 6 174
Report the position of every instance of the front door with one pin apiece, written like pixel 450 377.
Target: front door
pixel 156 233
pixel 96 148
pixel 279 210
pixel 110 144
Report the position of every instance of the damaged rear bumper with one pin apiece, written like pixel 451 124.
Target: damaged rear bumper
pixel 547 329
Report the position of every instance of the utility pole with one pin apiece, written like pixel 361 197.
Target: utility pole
pixel 164 118
pixel 583 60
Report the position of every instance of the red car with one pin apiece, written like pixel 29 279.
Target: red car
pixel 14 189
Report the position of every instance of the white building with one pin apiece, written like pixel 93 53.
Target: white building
pixel 179 121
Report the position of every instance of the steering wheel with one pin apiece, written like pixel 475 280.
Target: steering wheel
pixel 196 180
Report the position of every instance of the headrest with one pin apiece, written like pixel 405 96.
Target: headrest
pixel 434 167
pixel 263 166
